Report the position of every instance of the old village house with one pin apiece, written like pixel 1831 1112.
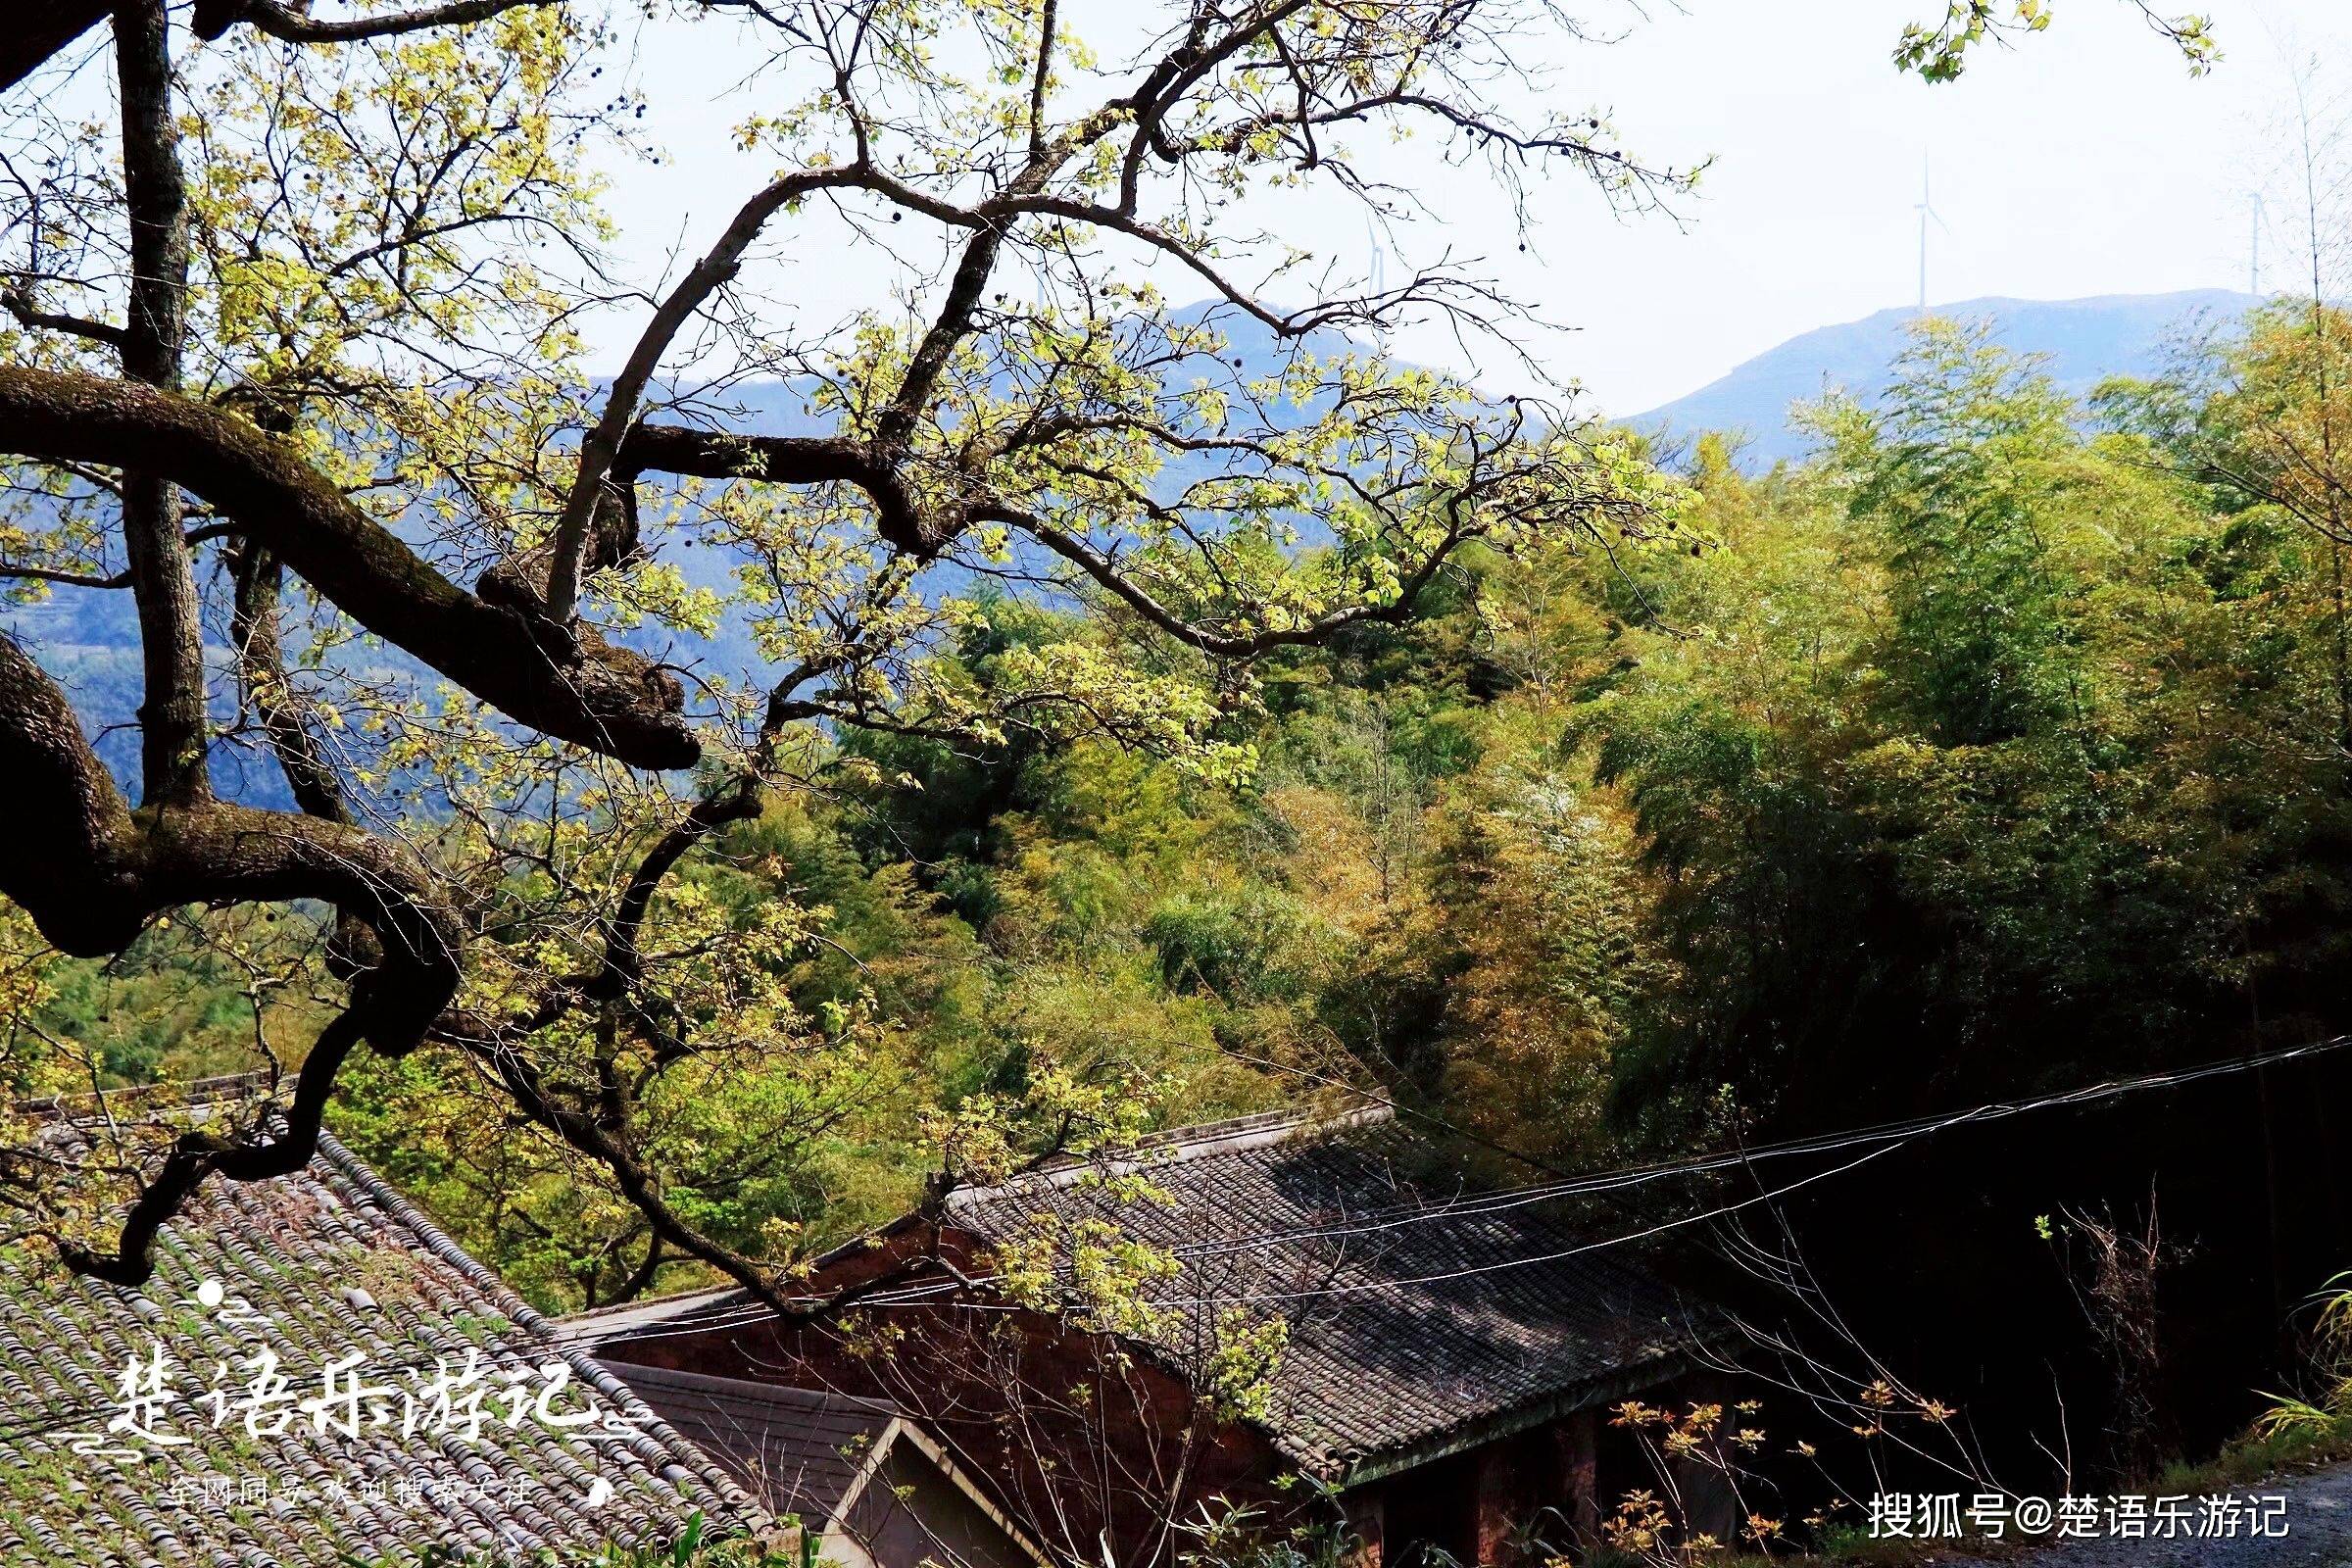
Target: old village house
pixel 1450 1352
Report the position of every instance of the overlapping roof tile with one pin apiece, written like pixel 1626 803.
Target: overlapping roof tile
pixel 1421 1311
pixel 313 1269
pixel 804 1449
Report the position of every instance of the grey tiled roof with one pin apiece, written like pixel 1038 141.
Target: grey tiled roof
pixel 1422 1314
pixel 800 1449
pixel 336 1263
pixel 611 1324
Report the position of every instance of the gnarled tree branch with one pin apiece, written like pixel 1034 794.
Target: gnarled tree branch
pixel 214 18
pixel 604 440
pixel 92 874
pixel 576 687
pixel 787 459
pixel 37 30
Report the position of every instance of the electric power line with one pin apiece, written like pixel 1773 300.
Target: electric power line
pixel 1885 1135
pixel 1881 1139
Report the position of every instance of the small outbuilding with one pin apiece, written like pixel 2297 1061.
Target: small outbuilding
pixel 873 1489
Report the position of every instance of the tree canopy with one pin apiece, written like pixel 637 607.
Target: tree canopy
pixel 306 315
pixel 298 368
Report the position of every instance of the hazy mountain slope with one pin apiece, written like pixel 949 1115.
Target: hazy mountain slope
pixel 2086 341
pixel 88 639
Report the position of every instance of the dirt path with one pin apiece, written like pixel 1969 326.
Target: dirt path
pixel 2319 1518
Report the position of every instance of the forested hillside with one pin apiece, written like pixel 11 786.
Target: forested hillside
pixel 845 765
pixel 2001 748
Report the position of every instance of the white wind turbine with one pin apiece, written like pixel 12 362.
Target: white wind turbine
pixel 2254 246
pixel 1926 215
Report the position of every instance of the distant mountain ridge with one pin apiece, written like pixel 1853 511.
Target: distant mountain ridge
pixel 88 639
pixel 2085 341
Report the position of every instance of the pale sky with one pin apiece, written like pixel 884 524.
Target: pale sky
pixel 2085 162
